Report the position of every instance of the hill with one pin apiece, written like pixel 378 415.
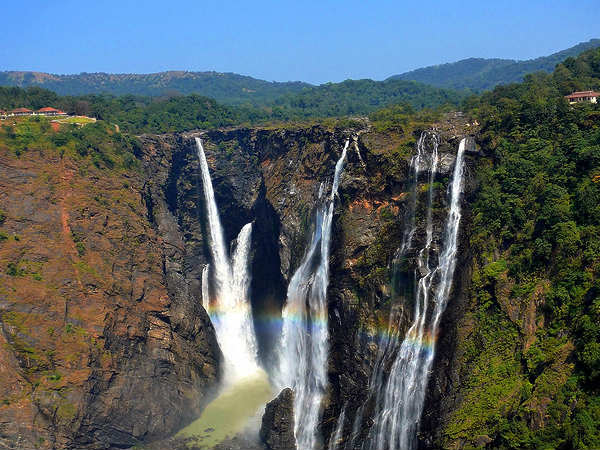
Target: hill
pixel 228 88
pixel 360 97
pixel 480 74
pixel 144 114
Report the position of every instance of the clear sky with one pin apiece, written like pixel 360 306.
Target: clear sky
pixel 314 41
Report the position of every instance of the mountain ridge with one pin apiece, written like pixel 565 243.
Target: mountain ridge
pixel 475 74
pixel 226 87
pixel 479 74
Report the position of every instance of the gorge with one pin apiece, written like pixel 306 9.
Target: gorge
pixel 301 356
pixel 273 195
pixel 349 276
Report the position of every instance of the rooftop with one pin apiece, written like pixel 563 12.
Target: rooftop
pixel 580 94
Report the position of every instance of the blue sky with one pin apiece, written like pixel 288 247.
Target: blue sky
pixel 314 41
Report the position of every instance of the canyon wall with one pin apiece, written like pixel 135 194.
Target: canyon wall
pixel 106 343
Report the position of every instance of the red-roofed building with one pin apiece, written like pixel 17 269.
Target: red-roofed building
pixel 21 112
pixel 583 96
pixel 48 111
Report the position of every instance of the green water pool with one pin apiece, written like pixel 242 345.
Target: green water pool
pixel 231 411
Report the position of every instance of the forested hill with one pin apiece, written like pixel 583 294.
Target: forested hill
pixel 360 97
pixel 143 114
pixel 479 74
pixel 530 360
pixel 228 88
pixel 475 74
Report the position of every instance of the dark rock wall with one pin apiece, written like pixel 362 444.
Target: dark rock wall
pixel 277 428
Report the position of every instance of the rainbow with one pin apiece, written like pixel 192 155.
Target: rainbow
pixel 378 331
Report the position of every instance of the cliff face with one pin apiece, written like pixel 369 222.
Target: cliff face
pixel 272 177
pixel 103 344
pixel 369 295
pixel 106 340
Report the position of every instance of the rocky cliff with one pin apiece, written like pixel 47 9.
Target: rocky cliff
pixel 103 342
pixel 106 339
pixel 272 177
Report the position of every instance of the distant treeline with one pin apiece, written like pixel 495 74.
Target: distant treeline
pixel 142 114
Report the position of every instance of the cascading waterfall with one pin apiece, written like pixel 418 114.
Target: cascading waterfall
pixel 304 343
pixel 229 310
pixel 420 161
pixel 400 398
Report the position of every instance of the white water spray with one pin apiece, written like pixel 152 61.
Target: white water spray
pixel 229 310
pixel 304 349
pixel 205 292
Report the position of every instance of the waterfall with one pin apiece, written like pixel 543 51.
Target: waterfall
pixel 399 400
pixel 418 163
pixel 336 437
pixel 205 294
pixel 241 276
pixel 303 348
pixel 355 428
pixel 229 309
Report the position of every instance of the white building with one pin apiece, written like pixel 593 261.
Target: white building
pixel 583 96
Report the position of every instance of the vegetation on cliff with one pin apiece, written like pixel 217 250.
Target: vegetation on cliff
pixel 98 141
pixel 529 350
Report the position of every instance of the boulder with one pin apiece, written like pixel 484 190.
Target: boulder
pixel 277 430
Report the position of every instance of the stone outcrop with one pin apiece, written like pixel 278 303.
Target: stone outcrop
pixel 277 430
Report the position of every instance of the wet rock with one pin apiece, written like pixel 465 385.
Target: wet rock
pixel 277 430
pixel 482 440
pixel 471 146
pixel 446 163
